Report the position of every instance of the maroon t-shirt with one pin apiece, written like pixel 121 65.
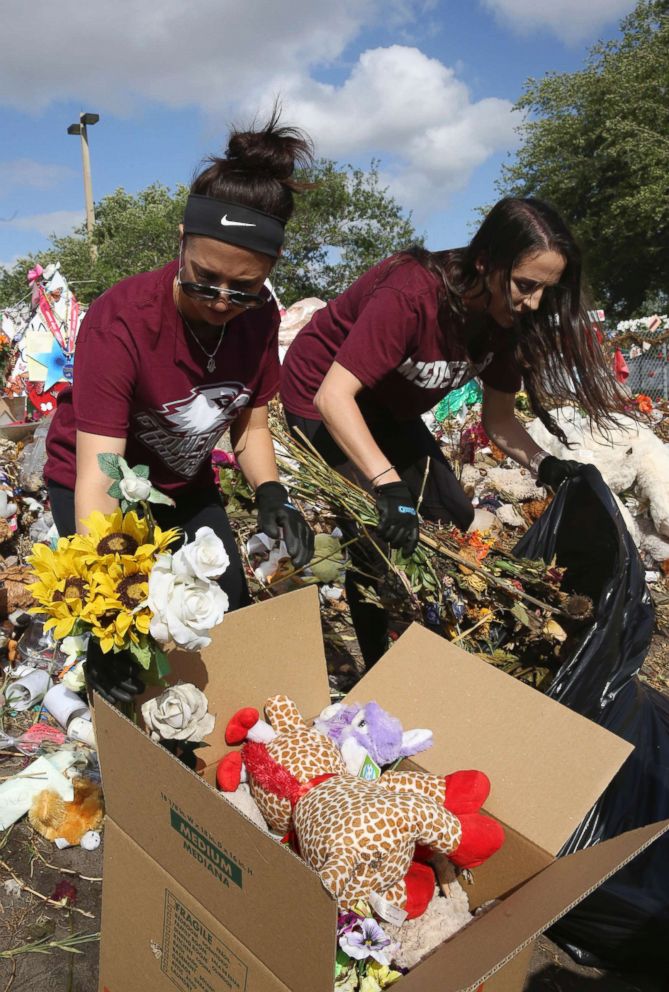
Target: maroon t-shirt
pixel 385 330
pixel 139 374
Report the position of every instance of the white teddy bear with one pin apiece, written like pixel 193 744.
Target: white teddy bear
pixel 631 457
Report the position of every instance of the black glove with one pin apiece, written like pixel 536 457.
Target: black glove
pixel 553 471
pixel 274 512
pixel 114 675
pixel 398 519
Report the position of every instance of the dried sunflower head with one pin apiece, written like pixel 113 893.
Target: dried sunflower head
pixel 578 607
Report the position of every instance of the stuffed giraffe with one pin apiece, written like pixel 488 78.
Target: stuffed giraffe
pixel 298 748
pixel 360 836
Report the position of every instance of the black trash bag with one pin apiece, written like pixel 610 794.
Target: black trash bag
pixel 625 923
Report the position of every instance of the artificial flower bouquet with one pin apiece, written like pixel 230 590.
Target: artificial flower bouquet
pixel 121 585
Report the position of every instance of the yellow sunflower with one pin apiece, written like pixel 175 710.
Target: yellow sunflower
pixel 61 587
pixel 115 609
pixel 62 616
pixel 53 566
pixel 111 630
pixel 123 535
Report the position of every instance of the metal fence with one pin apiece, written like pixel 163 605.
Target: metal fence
pixel 649 371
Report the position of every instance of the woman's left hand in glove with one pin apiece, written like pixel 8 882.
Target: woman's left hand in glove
pixel 275 513
pixel 553 471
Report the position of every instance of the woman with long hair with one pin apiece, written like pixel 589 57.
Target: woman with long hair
pixel 507 308
pixel 166 361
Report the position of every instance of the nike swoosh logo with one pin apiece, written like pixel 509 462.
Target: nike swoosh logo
pixel 233 223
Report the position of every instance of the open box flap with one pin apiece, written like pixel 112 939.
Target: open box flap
pixel 547 765
pixel 253 885
pixel 271 647
pixel 480 949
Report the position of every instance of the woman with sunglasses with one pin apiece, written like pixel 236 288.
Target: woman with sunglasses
pixel 167 360
pixel 508 309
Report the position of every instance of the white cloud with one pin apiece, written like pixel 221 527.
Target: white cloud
pixel 229 57
pixel 401 104
pixel 26 173
pixel 115 54
pixel 56 222
pixel 570 20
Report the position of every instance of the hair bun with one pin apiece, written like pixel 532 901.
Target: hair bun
pixel 258 167
pixel 273 150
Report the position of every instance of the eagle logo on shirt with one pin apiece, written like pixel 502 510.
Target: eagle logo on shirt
pixel 184 432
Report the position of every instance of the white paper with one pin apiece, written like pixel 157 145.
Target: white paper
pixel 386 910
pixel 17 793
pixel 259 544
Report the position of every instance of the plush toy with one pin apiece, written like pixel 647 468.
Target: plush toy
pixel 303 751
pixel 360 836
pixel 629 456
pixel 70 823
pixel 359 731
pixel 242 800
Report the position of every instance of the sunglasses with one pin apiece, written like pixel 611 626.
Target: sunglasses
pixel 205 292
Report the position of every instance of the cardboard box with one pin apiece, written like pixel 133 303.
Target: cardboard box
pixel 196 897
pixel 12 409
pixel 13 425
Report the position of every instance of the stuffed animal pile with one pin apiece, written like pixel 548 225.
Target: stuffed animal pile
pixel 361 836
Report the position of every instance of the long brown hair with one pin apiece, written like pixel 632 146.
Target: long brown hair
pixel 557 351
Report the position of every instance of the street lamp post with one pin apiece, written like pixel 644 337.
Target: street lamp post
pixel 81 129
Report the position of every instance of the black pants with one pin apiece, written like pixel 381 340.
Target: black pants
pixel 411 448
pixel 201 508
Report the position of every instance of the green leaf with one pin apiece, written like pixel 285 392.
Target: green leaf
pixel 143 653
pixel 115 490
pixel 155 496
pixel 162 662
pixel 141 470
pixel 521 614
pixel 109 464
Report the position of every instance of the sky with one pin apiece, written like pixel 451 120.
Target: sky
pixel 427 87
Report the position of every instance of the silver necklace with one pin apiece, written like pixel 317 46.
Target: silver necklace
pixel 211 364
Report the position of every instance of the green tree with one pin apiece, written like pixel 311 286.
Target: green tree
pixel 596 144
pixel 340 228
pixel 345 224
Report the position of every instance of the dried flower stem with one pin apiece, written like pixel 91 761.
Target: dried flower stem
pixel 465 634
pixel 58 904
pixel 44 946
pixel 315 480
pixel 64 871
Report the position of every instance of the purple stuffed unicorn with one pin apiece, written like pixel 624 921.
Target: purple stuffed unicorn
pixel 360 731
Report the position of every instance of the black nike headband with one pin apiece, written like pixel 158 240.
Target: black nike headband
pixel 233 223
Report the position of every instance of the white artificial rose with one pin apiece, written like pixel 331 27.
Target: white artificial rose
pixel 134 488
pixel 205 557
pixel 184 608
pixel 74 647
pixel 74 678
pixel 179 713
